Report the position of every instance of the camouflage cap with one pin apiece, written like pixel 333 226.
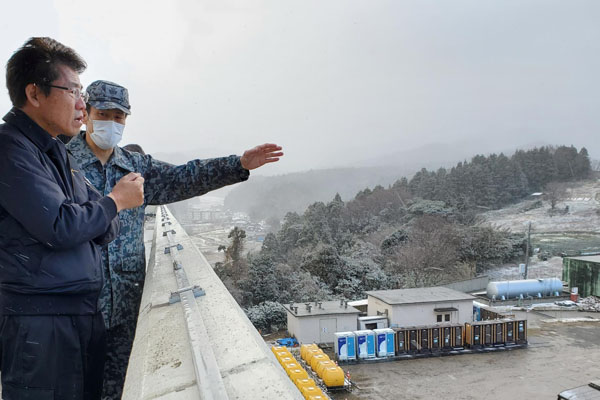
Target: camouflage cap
pixel 105 95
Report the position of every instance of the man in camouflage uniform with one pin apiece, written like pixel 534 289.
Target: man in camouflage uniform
pixel 104 163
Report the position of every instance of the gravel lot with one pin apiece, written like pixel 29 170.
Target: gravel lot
pixel 559 356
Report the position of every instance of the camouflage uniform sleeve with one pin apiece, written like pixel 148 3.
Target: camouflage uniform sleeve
pixel 166 183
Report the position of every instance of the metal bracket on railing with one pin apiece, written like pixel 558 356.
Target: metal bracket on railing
pixel 177 265
pixel 168 248
pixel 172 231
pixel 176 298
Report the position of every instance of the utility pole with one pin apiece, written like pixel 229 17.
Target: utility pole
pixel 528 245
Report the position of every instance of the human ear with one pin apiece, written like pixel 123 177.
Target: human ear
pixel 32 93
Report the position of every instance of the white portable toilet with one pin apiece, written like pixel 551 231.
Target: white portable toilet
pixel 345 346
pixel 384 338
pixel 365 343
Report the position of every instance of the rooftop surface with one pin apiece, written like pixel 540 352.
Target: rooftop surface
pixel 419 295
pixel 327 308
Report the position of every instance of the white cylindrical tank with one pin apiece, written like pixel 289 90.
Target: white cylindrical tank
pixel 524 288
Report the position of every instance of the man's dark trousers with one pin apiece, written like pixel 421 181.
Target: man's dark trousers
pixel 52 357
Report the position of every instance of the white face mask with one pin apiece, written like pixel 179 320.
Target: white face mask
pixel 107 134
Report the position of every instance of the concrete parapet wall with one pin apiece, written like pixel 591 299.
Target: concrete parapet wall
pixel 470 285
pixel 161 364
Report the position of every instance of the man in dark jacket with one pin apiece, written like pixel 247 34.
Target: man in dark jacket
pixel 52 224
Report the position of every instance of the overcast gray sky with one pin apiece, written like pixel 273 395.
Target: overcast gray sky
pixel 334 81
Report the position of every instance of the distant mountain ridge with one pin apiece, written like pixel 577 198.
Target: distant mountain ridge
pixel 274 196
pixel 436 155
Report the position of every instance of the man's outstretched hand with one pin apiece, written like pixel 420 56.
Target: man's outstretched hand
pixel 261 155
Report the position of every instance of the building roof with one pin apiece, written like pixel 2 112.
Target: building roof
pixel 327 308
pixel 594 259
pixel 585 392
pixel 419 295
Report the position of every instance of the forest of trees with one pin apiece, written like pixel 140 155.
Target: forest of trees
pixel 416 233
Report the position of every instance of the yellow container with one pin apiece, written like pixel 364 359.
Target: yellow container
pixel 283 353
pixel 306 347
pixel 287 360
pixel 308 391
pixel 275 349
pixel 310 353
pixel 292 365
pixel 297 373
pixel 317 397
pixel 333 376
pixel 316 359
pixel 301 382
pixel 322 365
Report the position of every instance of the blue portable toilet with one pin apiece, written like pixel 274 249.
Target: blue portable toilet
pixel 476 313
pixel 345 346
pixel 365 341
pixel 385 342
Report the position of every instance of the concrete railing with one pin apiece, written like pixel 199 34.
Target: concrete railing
pixel 470 285
pixel 189 347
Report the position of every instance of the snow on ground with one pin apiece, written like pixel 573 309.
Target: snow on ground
pixel 569 320
pixel 582 200
pixel 587 305
pixel 551 268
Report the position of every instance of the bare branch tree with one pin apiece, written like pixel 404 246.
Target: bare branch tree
pixel 554 192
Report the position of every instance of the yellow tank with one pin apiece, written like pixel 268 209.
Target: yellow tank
pixel 275 349
pixel 333 376
pixel 297 373
pixel 306 347
pixel 287 360
pixel 310 353
pixel 316 359
pixel 301 382
pixel 322 365
pixel 283 353
pixel 308 391
pixel 291 365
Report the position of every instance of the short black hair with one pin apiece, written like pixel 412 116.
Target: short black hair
pixel 37 61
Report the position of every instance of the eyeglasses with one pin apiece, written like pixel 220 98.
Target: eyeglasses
pixel 77 92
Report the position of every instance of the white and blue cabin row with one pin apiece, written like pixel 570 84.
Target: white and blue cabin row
pixel 364 344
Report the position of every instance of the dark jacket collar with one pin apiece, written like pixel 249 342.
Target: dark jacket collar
pixel 85 156
pixel 42 139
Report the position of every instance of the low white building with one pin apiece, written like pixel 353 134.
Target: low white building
pixel 316 322
pixel 421 306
